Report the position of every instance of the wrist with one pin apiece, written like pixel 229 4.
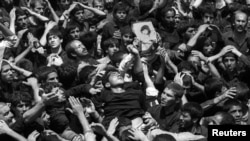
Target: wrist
pixel 9 131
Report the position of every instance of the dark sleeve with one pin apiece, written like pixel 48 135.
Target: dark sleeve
pixel 245 60
pixel 78 90
pixel 142 100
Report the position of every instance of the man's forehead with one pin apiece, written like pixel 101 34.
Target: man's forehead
pixel 241 15
pixel 4 109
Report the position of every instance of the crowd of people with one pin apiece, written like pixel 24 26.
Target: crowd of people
pixel 74 70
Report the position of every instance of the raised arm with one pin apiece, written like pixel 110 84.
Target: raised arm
pixel 13 20
pixel 77 110
pixel 54 15
pixel 32 13
pixel 48 27
pixel 5 129
pixel 193 40
pixel 94 10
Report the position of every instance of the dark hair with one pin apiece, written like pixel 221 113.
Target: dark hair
pixel 127 30
pixel 109 42
pixel 210 10
pixel 71 26
pixel 229 54
pixel 8 53
pixel 120 6
pixel 194 109
pixel 67 74
pixel 43 73
pixel 19 96
pixel 105 78
pixel 213 85
pixel 177 89
pixel 77 8
pixel 20 12
pixel 145 5
pixel 25 64
pixel 165 10
pixel 84 74
pixel 187 80
pixel 145 27
pixel 89 39
pixel 186 65
pixel 164 137
pixel 242 91
pixel 230 103
pixel 117 57
pixel 58 122
pixel 55 31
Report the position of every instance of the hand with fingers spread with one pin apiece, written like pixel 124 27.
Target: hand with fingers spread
pixel 49 99
pixel 230 93
pixel 179 78
pixel 4 128
pixel 236 51
pixel 99 128
pixel 199 54
pixel 33 136
pixel 112 126
pixel 137 135
pixel 76 105
pixel 50 25
pixel 5 43
pixel 100 67
pixel 149 121
pixel 226 49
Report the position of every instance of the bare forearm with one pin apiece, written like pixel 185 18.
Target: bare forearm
pixel 43 40
pixel 54 15
pixel 16 136
pixel 84 122
pixel 194 39
pixel 160 75
pixel 12 26
pixel 7 32
pixel 138 65
pixel 23 54
pixel 214 70
pixel 34 112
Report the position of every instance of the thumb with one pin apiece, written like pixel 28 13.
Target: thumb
pixel 25 83
pixel 70 110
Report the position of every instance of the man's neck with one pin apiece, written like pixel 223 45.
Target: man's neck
pixel 56 50
pixel 118 89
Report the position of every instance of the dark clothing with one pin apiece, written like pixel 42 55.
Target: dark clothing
pixel 129 104
pixel 22 128
pixel 243 47
pixel 170 40
pixel 241 73
pixel 166 117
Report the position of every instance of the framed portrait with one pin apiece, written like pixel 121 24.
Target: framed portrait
pixel 144 31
